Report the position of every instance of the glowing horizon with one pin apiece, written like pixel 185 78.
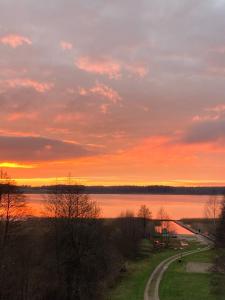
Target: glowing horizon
pixel 36 182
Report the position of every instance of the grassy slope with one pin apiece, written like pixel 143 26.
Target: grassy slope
pixel 178 284
pixel 132 284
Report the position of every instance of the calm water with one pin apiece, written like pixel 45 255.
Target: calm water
pixel 176 206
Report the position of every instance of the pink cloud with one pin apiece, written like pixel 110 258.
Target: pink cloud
pixel 102 90
pixel 199 118
pixel 66 45
pixel 102 67
pixel 18 133
pixel 83 91
pixel 112 68
pixel 106 92
pixel 40 87
pixel 69 117
pixel 22 116
pixel 104 108
pixel 14 40
pixel 218 108
pixel 137 70
pixel 211 113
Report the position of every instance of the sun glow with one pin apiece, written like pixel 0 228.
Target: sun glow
pixel 15 165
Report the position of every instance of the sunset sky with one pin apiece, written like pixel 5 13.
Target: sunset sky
pixel 113 92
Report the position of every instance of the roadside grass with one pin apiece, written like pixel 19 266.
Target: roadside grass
pixel 131 284
pixel 178 284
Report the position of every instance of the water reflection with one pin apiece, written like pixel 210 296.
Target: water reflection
pixel 177 206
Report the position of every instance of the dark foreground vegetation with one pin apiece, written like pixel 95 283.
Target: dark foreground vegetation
pixel 69 254
pixel 72 253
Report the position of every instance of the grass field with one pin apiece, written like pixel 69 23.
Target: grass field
pixel 178 284
pixel 132 284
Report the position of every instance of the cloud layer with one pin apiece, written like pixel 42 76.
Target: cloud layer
pixel 14 40
pixel 112 74
pixel 38 149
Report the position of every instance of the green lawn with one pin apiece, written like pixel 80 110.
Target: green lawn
pixel 180 285
pixel 132 284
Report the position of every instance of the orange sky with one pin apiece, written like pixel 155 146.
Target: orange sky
pixel 113 93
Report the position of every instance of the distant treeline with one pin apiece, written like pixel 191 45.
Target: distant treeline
pixel 153 189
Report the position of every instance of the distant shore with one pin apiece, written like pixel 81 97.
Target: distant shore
pixel 157 190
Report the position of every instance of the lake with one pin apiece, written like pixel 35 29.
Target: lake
pixel 176 206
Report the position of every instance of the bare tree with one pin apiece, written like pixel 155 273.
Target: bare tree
pixel 71 202
pixel 12 211
pixel 164 218
pixel 70 209
pixel 4 179
pixel 165 225
pixel 212 210
pixel 145 214
pixel 12 206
